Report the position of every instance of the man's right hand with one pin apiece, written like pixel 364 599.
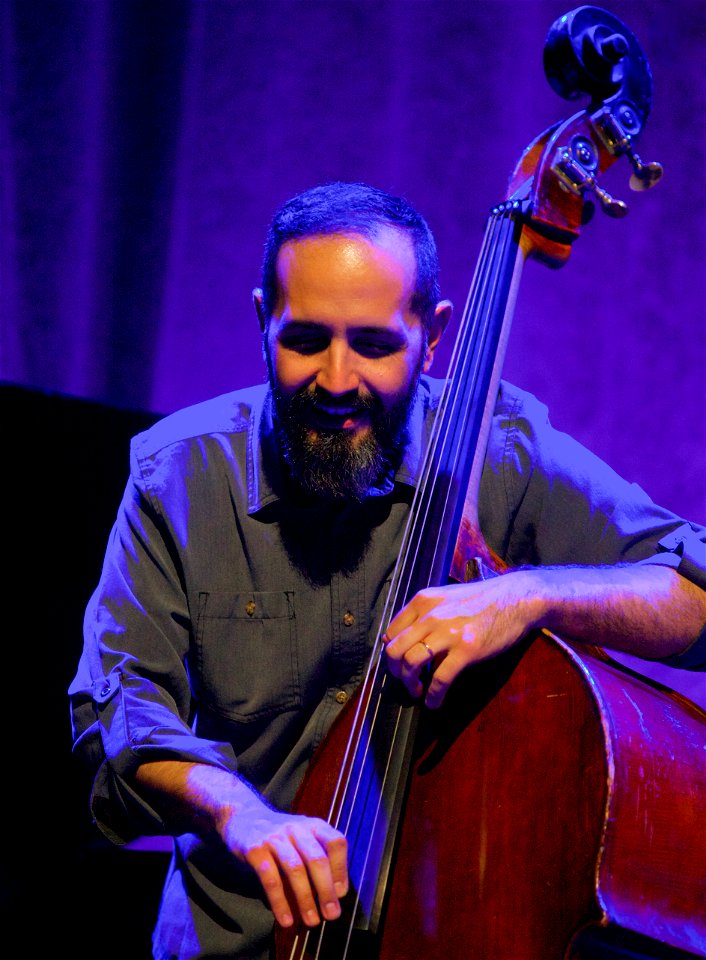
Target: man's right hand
pixel 301 861
pixel 304 855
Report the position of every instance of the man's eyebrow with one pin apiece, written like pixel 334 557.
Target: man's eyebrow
pixel 367 329
pixel 295 324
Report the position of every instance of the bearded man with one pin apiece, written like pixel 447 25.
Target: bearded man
pixel 246 575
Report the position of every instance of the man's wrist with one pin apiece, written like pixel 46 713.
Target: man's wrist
pixel 540 598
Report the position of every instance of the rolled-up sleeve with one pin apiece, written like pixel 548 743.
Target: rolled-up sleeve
pixel 550 501
pixel 684 549
pixel 131 699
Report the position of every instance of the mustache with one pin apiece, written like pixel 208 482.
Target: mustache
pixel 312 401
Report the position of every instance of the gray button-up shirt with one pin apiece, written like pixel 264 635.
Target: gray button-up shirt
pixel 231 625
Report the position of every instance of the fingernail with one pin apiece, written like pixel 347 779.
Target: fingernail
pixel 332 910
pixel 341 888
pixel 286 920
pixel 311 917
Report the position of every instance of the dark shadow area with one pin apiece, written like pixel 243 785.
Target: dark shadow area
pixel 63 888
pixel 614 943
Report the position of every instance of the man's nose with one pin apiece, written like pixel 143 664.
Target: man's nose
pixel 338 373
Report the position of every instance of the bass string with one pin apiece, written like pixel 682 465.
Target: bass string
pixel 371 677
pixel 486 294
pixel 483 356
pixel 473 349
pixel 468 351
pixel 443 424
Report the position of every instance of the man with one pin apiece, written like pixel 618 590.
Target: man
pixel 246 575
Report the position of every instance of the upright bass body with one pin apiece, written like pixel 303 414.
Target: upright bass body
pixel 555 809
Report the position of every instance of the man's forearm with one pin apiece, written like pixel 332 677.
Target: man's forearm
pixel 193 797
pixel 642 609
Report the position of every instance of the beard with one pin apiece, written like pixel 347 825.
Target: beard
pixel 336 465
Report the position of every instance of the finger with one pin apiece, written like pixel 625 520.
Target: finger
pixel 397 648
pixel 441 680
pixel 315 857
pixel 402 620
pixel 291 858
pixel 266 866
pixel 336 848
pixel 435 693
pixel 412 666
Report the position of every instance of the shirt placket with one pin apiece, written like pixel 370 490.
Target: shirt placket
pixel 349 629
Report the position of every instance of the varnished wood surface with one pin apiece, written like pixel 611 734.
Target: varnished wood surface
pixel 555 790
pixel 652 871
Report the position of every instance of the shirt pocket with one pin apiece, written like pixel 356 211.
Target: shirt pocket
pixel 246 654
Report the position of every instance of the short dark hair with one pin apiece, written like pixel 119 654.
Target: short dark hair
pixel 353 208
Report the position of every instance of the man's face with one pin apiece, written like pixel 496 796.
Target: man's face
pixel 345 352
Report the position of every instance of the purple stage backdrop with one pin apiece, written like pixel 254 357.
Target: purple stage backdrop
pixel 145 146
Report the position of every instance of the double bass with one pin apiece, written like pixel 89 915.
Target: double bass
pixel 554 806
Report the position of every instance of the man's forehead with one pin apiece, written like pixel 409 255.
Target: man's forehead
pixel 387 247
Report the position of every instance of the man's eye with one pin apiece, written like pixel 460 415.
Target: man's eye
pixel 375 347
pixel 304 344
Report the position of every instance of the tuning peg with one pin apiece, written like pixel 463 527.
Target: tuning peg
pixel 614 208
pixel 645 175
pixel 617 132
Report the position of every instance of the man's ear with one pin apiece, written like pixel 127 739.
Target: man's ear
pixel 442 315
pixel 258 300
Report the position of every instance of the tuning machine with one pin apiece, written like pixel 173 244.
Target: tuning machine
pixel 617 128
pixel 576 167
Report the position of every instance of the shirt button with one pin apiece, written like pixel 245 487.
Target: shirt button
pixel 341 696
pixel 348 619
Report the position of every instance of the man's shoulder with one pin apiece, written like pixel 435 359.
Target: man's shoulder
pixel 514 403
pixel 429 391
pixel 510 397
pixel 229 413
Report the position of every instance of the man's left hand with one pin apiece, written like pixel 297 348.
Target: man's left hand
pixel 454 626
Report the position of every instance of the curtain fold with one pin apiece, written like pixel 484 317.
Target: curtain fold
pixel 144 147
